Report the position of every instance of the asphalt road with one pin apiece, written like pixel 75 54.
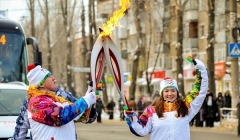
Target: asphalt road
pixel 118 130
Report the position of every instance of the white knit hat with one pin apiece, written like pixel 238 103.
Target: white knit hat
pixel 37 75
pixel 166 83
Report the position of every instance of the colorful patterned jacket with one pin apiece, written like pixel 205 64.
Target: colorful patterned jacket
pixel 22 122
pixel 171 127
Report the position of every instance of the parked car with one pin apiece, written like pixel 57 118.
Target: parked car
pixel 11 97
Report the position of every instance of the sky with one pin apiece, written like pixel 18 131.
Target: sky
pixel 15 8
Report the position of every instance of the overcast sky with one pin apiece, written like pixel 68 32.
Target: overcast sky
pixel 16 8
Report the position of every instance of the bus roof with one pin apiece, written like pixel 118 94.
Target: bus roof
pixel 10 25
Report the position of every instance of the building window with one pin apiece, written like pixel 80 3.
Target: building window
pixel 172 10
pixel 191 5
pixel 167 62
pixel 227 36
pixel 165 36
pixel 201 56
pixel 220 50
pixel 201 33
pixel 151 63
pixel 216 28
pixel 193 30
pixel 227 5
pixel 129 67
pixel 124 54
pixel 186 31
pixel 157 37
pixel 222 24
pixel 201 5
pixel 174 36
pixel 227 21
pixel 174 65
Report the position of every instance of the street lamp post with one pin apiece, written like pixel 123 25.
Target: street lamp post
pixel 234 61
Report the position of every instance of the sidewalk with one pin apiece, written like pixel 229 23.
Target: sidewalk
pixel 216 129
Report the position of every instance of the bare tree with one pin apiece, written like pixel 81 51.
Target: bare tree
pixel 210 47
pixel 67 22
pixel 179 14
pixel 45 14
pixel 140 46
pixel 31 7
pixel 149 78
pixel 84 44
pixel 49 55
pixel 90 36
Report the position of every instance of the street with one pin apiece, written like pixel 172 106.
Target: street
pixel 118 130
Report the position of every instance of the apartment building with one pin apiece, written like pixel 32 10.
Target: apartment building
pixel 126 39
pixel 159 22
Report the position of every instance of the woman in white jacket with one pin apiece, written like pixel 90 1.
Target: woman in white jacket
pixel 169 116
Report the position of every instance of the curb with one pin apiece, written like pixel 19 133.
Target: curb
pixel 216 129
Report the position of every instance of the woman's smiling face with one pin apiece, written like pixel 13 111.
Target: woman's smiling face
pixel 170 94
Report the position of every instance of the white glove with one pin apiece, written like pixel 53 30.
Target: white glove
pixel 89 89
pixel 90 98
pixel 200 65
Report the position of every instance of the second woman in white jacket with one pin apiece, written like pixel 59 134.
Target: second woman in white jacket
pixel 169 116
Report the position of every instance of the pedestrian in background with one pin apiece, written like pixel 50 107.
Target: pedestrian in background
pixel 132 104
pixel 155 95
pixel 110 108
pixel 211 110
pixel 169 116
pixel 200 117
pixel 141 105
pixel 220 103
pixel 99 107
pixel 121 105
pixel 227 102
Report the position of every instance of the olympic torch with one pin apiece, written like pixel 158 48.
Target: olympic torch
pixel 104 50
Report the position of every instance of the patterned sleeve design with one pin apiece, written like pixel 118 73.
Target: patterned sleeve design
pixel 195 92
pixel 141 126
pixel 46 111
pixel 67 95
pixel 148 112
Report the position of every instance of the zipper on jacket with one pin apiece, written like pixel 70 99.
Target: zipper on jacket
pixel 171 121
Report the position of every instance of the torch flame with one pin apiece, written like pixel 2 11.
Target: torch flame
pixel 113 21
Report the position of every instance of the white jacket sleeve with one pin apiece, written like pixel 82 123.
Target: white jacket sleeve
pixel 197 96
pixel 142 126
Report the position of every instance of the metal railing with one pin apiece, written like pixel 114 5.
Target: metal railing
pixel 231 114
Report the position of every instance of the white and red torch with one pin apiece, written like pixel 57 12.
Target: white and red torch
pixel 104 50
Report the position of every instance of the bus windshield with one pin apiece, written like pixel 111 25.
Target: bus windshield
pixel 11 101
pixel 13 57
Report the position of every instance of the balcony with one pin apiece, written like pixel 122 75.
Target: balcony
pixel 190 43
pixel 190 15
pixel 122 32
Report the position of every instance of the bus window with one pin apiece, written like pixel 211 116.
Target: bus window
pixel 11 55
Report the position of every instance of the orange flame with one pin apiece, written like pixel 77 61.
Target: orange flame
pixel 113 21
